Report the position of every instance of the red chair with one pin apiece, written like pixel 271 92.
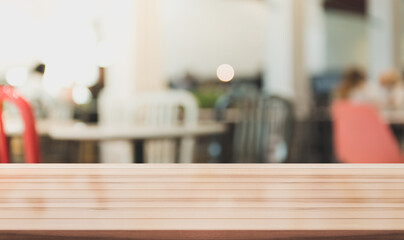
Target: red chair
pixel 361 136
pixel 31 147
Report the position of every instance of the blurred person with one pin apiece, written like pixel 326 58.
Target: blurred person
pixel 360 134
pixel 392 98
pixel 355 88
pixel 392 90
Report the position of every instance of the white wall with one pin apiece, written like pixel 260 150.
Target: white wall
pixel 30 29
pixel 198 35
pixel 402 36
pixel 118 28
pixel 384 34
pixel 19 27
pixel 347 40
pixel 202 34
pixel 315 36
pixel 280 51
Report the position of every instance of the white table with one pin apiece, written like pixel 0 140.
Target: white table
pixel 135 134
pixel 100 133
pixel 15 127
pixel 76 131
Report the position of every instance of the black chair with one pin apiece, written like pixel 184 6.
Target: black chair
pixel 263 132
pixel 323 86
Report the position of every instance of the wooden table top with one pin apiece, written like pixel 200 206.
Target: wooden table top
pixel 283 199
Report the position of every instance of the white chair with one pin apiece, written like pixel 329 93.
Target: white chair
pixel 110 110
pixel 164 109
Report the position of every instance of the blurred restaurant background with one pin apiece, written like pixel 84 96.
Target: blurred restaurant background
pixel 194 81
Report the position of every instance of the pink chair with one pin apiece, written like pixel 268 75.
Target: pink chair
pixel 361 136
pixel 31 147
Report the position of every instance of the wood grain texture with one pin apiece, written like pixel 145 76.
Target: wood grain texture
pixel 201 235
pixel 214 198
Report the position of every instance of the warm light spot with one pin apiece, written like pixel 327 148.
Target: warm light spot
pixel 17 76
pixel 58 75
pixel 64 75
pixel 81 95
pixel 225 73
pixel 51 87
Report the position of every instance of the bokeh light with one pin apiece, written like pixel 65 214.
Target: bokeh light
pixel 17 76
pixel 225 73
pixel 81 95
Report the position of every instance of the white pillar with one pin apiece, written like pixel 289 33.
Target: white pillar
pixel 118 28
pixel 132 27
pixel 385 36
pixel 315 37
pixel 149 46
pixel 286 66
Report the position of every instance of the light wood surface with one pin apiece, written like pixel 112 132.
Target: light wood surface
pixel 201 235
pixel 201 197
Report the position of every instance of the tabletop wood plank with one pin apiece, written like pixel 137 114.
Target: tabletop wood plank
pixel 200 235
pixel 76 185
pixel 201 198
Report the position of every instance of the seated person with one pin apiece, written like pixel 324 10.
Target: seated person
pixel 355 88
pixel 360 135
pixel 392 90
